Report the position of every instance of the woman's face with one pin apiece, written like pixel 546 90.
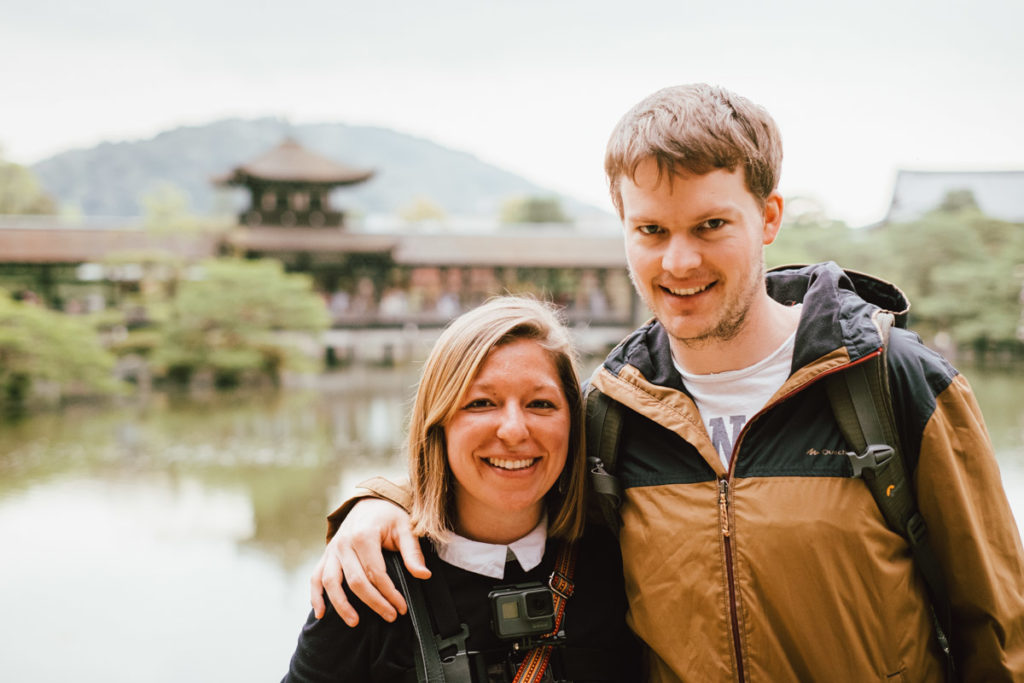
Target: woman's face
pixel 507 442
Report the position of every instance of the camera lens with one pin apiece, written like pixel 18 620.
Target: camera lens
pixel 539 604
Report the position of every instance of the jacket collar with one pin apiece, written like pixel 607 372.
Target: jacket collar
pixel 837 309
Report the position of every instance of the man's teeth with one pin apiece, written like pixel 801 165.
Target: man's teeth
pixel 688 292
pixel 510 464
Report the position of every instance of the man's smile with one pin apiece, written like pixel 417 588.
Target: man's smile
pixel 687 291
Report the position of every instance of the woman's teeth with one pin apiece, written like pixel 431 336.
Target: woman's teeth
pixel 510 464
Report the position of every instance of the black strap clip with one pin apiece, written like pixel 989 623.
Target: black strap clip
pixel 917 530
pixel 458 641
pixel 873 457
pixel 604 483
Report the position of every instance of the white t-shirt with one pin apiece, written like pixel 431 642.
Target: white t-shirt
pixel 726 400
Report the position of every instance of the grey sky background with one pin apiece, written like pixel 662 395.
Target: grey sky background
pixel 859 89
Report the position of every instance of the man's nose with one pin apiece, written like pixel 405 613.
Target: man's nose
pixel 512 429
pixel 681 255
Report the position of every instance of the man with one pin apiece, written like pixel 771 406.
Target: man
pixel 750 553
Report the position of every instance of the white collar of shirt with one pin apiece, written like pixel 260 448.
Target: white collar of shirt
pixel 488 559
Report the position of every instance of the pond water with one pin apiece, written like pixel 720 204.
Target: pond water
pixel 173 540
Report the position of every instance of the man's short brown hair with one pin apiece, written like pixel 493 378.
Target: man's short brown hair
pixel 696 129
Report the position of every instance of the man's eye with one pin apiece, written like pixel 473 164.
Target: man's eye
pixel 649 229
pixel 713 223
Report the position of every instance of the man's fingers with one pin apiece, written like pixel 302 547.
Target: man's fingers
pixel 332 577
pixel 316 588
pixel 377 573
pixel 361 582
pixel 355 554
pixel 412 555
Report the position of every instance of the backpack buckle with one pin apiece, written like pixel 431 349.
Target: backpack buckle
pixel 917 530
pixel 873 457
pixel 561 585
pixel 458 640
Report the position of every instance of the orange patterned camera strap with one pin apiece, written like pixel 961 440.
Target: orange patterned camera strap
pixel 536 663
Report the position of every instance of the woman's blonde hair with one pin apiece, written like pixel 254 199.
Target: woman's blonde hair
pixel 452 365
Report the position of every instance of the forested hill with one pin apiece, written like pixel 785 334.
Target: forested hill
pixel 112 178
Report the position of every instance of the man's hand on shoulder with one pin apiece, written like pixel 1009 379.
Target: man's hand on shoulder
pixel 355 555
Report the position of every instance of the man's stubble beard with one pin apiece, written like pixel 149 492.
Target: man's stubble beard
pixel 731 323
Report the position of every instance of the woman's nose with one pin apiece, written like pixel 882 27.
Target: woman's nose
pixel 512 428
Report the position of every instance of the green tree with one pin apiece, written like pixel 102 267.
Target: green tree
pixel 809 236
pixel 167 207
pixel 958 200
pixel 960 270
pixel 533 210
pixel 21 193
pixel 40 346
pixel 421 209
pixel 230 322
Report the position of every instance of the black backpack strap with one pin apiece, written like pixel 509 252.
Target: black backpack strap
pixel 441 655
pixel 450 633
pixel 862 404
pixel 603 428
pixel 428 660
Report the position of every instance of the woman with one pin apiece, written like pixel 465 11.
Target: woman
pixel 497 469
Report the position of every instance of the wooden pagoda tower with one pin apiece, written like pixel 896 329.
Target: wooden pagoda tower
pixel 291 186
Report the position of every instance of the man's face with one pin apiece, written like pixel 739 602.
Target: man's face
pixel 695 249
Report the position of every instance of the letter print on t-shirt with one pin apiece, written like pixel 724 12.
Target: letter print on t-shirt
pixel 723 438
pixel 726 400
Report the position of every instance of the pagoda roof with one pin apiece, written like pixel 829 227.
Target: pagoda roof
pixel 999 194
pixel 291 162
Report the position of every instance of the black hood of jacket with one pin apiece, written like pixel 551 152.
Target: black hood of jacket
pixel 837 309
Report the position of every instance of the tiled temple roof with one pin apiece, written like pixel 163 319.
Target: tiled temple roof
pixel 291 162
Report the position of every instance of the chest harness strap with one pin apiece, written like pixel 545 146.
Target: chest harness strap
pixel 426 599
pixel 862 404
pixel 536 663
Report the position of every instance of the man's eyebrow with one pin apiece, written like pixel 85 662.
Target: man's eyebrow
pixel 714 211
pixel 640 219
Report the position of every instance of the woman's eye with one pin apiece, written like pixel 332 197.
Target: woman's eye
pixel 543 403
pixel 479 403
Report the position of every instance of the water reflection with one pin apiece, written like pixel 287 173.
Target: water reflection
pixel 180 533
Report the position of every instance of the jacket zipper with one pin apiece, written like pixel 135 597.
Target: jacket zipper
pixel 723 506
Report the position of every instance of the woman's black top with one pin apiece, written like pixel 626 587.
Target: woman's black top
pixel 599 646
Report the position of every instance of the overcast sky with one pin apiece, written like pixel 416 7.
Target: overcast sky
pixel 859 89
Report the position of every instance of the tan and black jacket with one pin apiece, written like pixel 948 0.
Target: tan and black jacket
pixel 782 568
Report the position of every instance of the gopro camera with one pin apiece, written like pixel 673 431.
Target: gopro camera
pixel 523 609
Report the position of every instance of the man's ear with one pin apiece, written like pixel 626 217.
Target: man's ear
pixel 772 217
